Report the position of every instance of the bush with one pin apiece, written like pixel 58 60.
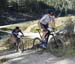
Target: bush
pixel 9 43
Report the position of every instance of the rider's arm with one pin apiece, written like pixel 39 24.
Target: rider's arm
pixel 53 23
pixel 39 25
pixel 13 31
pixel 21 32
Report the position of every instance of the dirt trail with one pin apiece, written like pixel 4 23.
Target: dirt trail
pixel 30 27
pixel 32 57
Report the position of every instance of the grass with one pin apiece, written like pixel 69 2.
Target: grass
pixel 34 29
pixel 70 52
pixel 23 26
pixel 60 23
pixel 28 43
pixel 7 43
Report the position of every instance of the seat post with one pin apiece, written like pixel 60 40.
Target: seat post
pixel 39 32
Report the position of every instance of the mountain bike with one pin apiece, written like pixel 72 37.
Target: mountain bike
pixel 54 43
pixel 17 43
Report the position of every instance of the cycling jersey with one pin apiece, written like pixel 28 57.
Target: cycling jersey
pixel 15 32
pixel 46 18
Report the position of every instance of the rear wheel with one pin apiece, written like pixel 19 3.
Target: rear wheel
pixel 36 43
pixel 56 46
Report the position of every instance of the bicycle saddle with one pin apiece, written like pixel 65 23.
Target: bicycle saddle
pixel 38 29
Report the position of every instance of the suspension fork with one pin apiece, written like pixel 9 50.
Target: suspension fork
pixel 55 40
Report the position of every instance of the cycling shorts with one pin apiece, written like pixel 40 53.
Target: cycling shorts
pixel 44 27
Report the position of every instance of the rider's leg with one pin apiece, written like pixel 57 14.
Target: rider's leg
pixel 17 44
pixel 44 35
pixel 44 27
pixel 43 43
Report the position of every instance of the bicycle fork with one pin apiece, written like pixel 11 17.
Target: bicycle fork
pixel 55 41
pixel 17 44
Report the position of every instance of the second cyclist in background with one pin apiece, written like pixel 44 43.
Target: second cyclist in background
pixel 17 34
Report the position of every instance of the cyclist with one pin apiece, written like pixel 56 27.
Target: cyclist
pixel 17 33
pixel 44 24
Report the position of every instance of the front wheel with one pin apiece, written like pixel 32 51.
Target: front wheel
pixel 20 46
pixel 56 46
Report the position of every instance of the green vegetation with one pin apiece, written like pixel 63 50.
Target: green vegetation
pixel 35 8
pixel 23 26
pixel 3 5
pixel 4 44
pixel 34 5
pixel 34 29
pixel 7 43
pixel 63 21
pixel 70 52
pixel 60 23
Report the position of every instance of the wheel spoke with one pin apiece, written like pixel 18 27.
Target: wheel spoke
pixel 56 47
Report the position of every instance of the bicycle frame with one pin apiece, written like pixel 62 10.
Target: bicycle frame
pixel 47 35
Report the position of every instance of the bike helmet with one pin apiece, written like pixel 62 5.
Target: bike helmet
pixel 51 11
pixel 17 27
